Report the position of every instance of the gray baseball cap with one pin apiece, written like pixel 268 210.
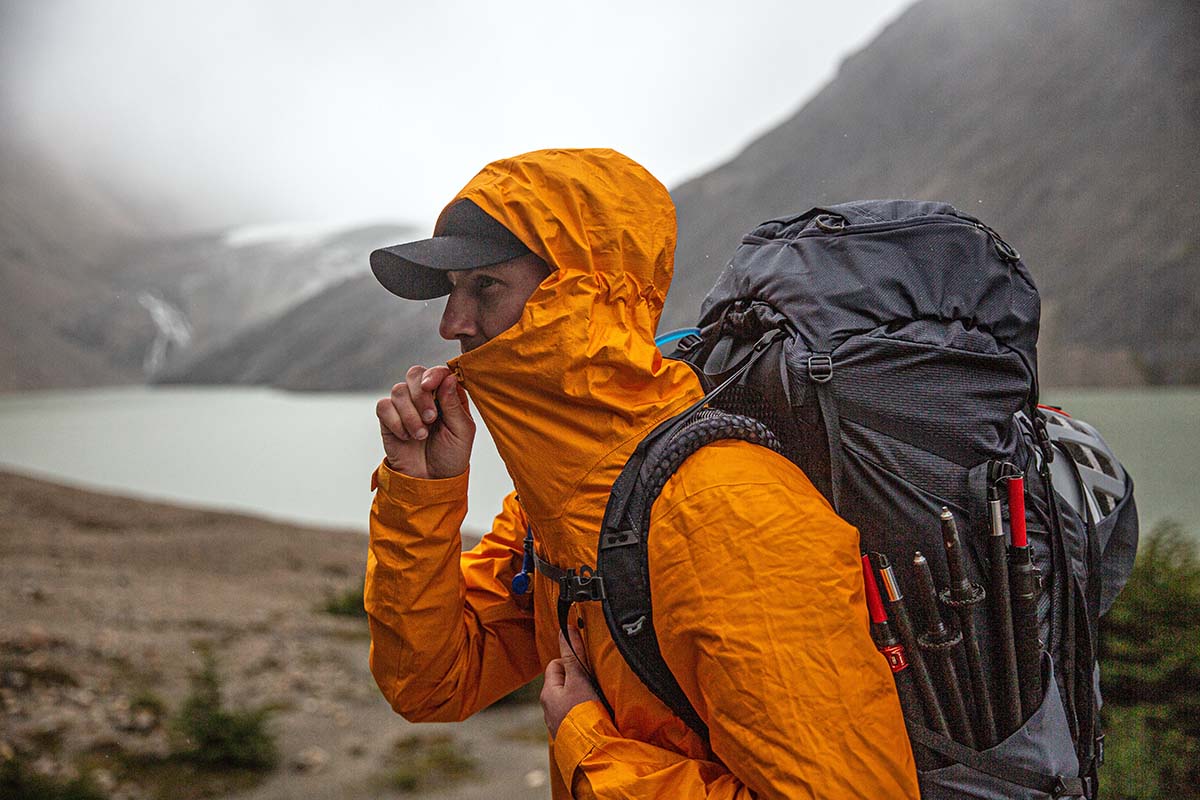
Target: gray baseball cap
pixel 465 237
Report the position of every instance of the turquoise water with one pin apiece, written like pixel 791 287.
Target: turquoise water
pixel 308 457
pixel 304 458
pixel 1156 434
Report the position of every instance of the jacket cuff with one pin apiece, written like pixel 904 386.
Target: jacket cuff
pixel 405 489
pixel 398 496
pixel 578 735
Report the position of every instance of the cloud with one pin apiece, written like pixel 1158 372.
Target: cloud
pixel 207 114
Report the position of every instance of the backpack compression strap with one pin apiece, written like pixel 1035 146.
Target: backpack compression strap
pixel 622 556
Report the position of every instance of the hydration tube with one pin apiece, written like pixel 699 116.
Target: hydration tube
pixel 521 581
pixel 675 336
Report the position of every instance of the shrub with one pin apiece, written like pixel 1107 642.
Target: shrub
pixel 528 694
pixel 421 763
pixel 18 783
pixel 1150 667
pixel 349 603
pixel 215 737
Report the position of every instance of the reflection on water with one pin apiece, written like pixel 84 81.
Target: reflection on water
pixel 309 457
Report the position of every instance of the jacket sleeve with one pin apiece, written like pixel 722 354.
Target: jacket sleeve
pixel 760 614
pixel 448 637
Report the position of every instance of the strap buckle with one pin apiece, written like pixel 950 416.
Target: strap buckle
pixel 580 587
pixel 820 368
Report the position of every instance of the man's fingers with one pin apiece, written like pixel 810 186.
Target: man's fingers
pixel 421 395
pixel 576 639
pixel 410 416
pixel 432 377
pixel 571 658
pixel 455 414
pixel 556 675
pixel 389 419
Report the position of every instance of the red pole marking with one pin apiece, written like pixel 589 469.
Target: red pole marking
pixel 895 657
pixel 1053 408
pixel 1016 511
pixel 874 602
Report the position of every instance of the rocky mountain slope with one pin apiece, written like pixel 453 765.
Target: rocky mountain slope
pixel 55 229
pixel 89 296
pixel 1072 127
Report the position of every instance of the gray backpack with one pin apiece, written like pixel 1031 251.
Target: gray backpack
pixel 888 348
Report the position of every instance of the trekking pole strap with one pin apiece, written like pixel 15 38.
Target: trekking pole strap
pixel 1052 785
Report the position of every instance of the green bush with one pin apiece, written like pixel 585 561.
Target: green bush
pixel 529 694
pixel 215 737
pixel 18 783
pixel 349 603
pixel 1150 668
pixel 426 762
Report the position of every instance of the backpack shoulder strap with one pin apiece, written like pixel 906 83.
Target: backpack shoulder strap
pixel 622 555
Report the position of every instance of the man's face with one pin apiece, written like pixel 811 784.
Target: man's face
pixel 487 301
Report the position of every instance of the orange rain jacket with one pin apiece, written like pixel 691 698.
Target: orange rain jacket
pixel 757 585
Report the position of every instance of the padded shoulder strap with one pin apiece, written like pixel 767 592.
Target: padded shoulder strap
pixel 622 557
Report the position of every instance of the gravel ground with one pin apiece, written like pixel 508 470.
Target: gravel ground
pixel 107 603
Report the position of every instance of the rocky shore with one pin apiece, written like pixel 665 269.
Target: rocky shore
pixel 108 606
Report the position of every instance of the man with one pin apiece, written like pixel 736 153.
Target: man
pixel 556 264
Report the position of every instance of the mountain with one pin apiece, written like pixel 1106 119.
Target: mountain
pixel 355 336
pixel 205 290
pixel 91 295
pixel 55 228
pixel 1072 127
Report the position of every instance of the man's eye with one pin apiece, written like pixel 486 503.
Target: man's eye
pixel 485 282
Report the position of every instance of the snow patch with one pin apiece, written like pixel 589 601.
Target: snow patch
pixel 289 233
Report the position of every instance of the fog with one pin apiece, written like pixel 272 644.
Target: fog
pixel 200 115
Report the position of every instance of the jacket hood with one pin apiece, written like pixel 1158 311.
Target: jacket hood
pixel 578 378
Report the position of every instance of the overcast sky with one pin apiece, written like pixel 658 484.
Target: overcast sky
pixel 219 113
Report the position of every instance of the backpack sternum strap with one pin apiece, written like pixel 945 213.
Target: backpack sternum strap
pixel 580 587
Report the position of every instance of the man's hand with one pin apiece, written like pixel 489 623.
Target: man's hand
pixel 426 426
pixel 566 684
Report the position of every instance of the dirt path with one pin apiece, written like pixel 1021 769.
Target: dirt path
pixel 107 603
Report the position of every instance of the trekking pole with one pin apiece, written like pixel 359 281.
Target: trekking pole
pixel 963 596
pixel 1024 602
pixel 893 650
pixel 937 641
pixel 903 625
pixel 1009 684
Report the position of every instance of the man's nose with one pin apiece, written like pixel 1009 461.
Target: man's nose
pixel 458 318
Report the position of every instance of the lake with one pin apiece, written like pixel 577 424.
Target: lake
pixel 308 458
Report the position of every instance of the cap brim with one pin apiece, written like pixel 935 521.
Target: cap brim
pixel 417 270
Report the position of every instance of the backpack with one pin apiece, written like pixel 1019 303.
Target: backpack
pixel 888 348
